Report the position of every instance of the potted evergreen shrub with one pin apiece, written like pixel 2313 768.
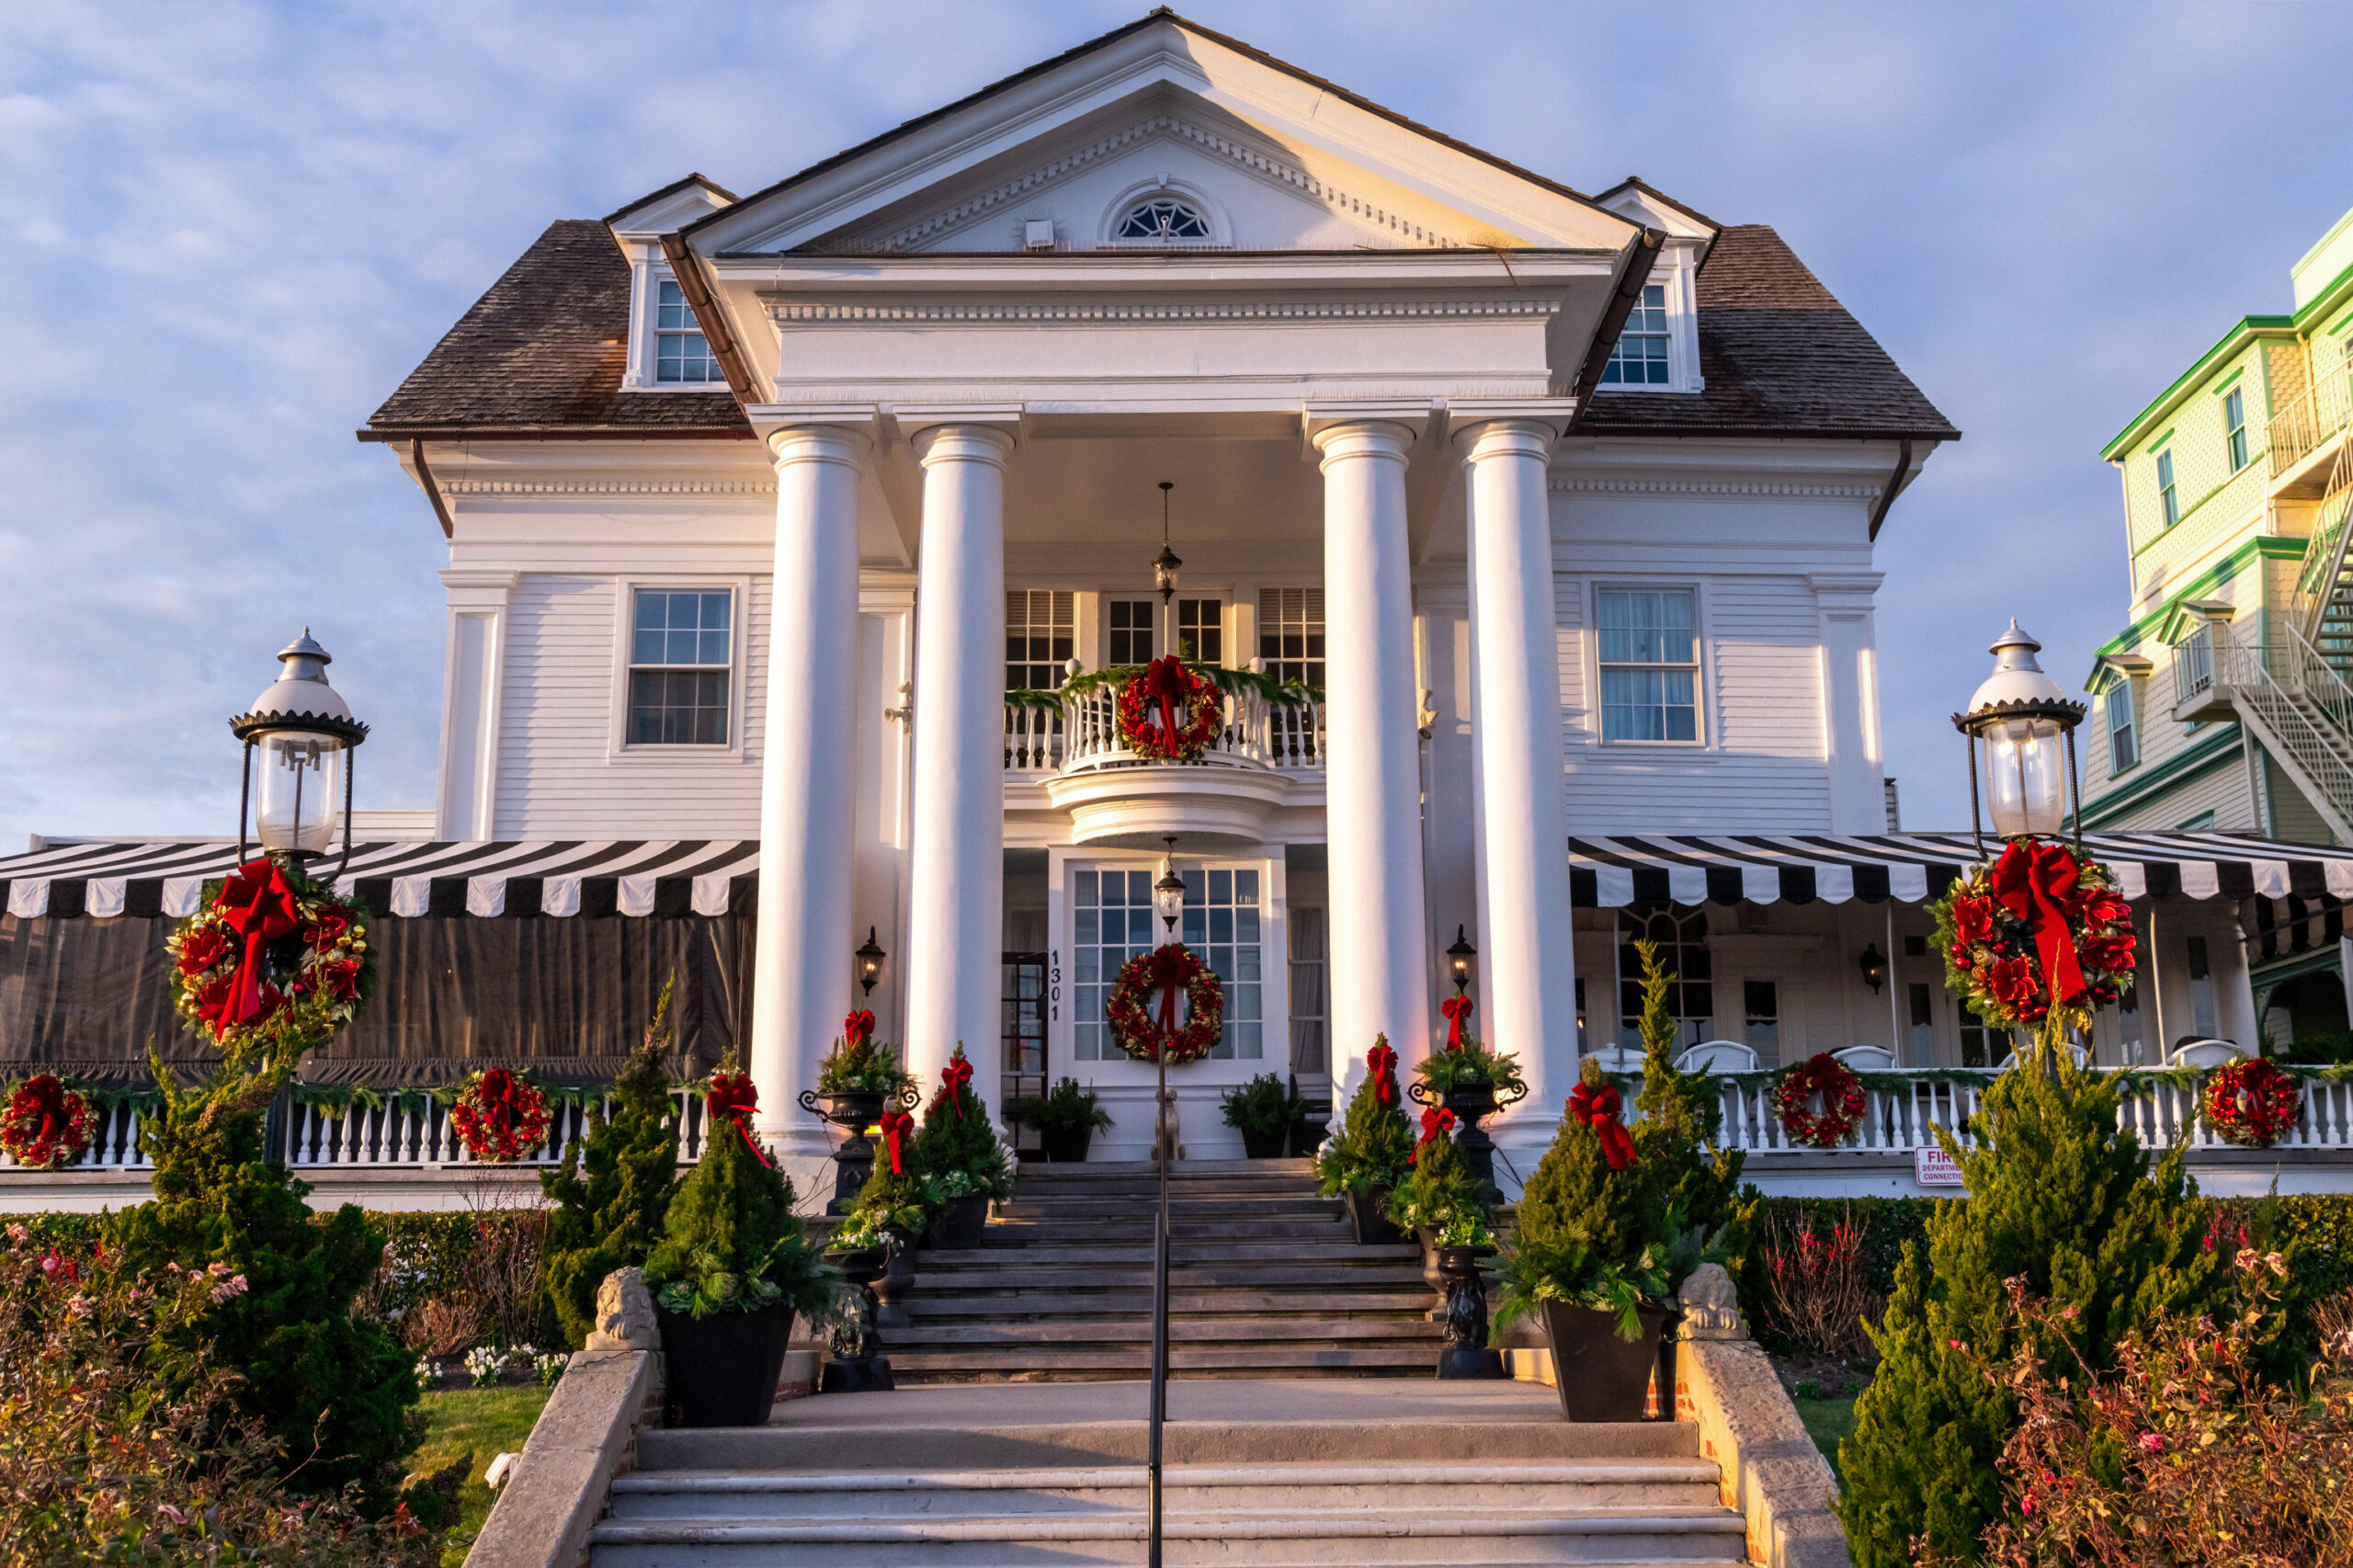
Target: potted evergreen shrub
pixel 858 1077
pixel 1440 1194
pixel 1263 1110
pixel 1470 1079
pixel 730 1273
pixel 1367 1158
pixel 1067 1119
pixel 963 1164
pixel 611 1196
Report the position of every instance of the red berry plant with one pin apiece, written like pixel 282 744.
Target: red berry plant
pixel 1816 1290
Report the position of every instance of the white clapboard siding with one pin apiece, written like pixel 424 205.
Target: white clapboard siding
pixel 557 775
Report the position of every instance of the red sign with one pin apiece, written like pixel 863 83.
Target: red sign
pixel 1931 1166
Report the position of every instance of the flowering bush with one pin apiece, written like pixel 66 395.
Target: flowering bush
pixel 547 1366
pixel 1815 1285
pixel 2183 1454
pixel 121 1448
pixel 485 1364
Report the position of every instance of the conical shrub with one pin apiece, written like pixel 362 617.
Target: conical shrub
pixel 612 1193
pixel 1368 1152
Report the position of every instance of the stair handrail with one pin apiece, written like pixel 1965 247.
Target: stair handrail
pixel 2319 683
pixel 2324 555
pixel 2296 727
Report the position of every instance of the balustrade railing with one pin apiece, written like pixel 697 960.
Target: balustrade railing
pixel 2310 418
pixel 1083 732
pixel 412 1132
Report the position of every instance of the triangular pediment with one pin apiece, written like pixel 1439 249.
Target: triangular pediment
pixel 1270 159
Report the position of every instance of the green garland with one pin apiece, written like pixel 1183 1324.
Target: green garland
pixel 1234 683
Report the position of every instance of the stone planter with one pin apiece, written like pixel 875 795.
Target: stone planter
pixel 958 1226
pixel 1369 1213
pixel 722 1370
pixel 1265 1145
pixel 1601 1377
pixel 1066 1146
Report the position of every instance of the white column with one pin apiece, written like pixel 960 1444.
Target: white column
pixel 956 892
pixel 1379 970
pixel 466 802
pixel 1527 954
pixel 800 966
pixel 1850 701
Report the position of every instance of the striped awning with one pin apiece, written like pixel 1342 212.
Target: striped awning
pixel 2282 927
pixel 560 878
pixel 1912 868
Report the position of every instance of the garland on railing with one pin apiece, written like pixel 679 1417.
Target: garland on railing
pixel 1232 682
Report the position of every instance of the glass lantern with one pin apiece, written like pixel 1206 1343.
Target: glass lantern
pixel 2022 738
pixel 299 733
pixel 1169 892
pixel 302 791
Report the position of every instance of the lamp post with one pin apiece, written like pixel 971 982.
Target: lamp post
pixel 1169 897
pixel 2025 728
pixel 869 956
pixel 305 733
pixel 1460 956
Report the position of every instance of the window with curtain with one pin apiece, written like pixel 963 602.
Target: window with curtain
pixel 1290 634
pixel 1309 1049
pixel 1041 634
pixel 2123 731
pixel 1649 664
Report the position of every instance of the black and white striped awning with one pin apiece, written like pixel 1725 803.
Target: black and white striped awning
pixel 550 877
pixel 1912 868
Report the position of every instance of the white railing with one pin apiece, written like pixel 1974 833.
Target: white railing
pixel 2309 419
pixel 1083 732
pixel 2193 664
pixel 2298 708
pixel 413 1133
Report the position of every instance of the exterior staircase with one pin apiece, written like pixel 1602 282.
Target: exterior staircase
pixel 1258 1473
pixel 1266 1281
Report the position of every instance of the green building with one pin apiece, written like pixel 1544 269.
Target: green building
pixel 2224 704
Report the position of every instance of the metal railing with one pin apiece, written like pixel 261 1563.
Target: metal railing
pixel 2308 420
pixel 2324 566
pixel 2299 707
pixel 412 1133
pixel 1083 732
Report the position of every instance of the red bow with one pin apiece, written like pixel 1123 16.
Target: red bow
pixel 897 1125
pixel 1455 1010
pixel 735 1097
pixel 1596 1106
pixel 952 1080
pixel 1382 1061
pixel 260 902
pixel 2035 882
pixel 1434 1122
pixel 1165 682
pixel 858 1027
pixel 1170 971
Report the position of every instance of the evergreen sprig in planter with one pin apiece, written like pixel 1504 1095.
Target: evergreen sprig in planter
pixel 856 1083
pixel 963 1164
pixel 1363 1161
pixel 1066 1120
pixel 1263 1110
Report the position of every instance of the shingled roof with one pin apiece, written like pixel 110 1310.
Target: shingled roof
pixel 1780 357
pixel 543 350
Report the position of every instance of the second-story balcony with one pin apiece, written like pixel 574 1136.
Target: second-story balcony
pixel 1265 755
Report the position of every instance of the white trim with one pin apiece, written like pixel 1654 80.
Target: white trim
pixel 647 276
pixel 618 748
pixel 1676 271
pixel 1163 186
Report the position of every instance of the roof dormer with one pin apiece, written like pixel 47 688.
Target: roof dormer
pixel 1659 348
pixel 667 351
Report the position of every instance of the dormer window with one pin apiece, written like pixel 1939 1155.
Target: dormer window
pixel 1640 358
pixel 680 353
pixel 1163 217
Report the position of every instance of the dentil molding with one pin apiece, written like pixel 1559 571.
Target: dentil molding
pixel 610 487
pixel 992 313
pixel 1562 486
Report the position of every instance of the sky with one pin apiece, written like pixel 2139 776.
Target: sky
pixel 232 228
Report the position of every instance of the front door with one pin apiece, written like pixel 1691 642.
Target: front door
pixel 1024 1041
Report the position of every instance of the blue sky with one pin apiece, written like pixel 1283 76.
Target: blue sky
pixel 232 228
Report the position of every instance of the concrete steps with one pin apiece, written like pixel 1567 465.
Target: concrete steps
pixel 1266 1281
pixel 1430 1474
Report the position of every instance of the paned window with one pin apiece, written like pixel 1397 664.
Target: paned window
pixel 1760 1004
pixel 680 650
pixel 1982 1044
pixel 2168 499
pixel 1164 217
pixel 1128 623
pixel 1113 920
pixel 1041 634
pixel 2123 731
pixel 1923 1022
pixel 1201 630
pixel 1650 664
pixel 2202 1014
pixel 1308 1050
pixel 1681 936
pixel 2234 426
pixel 680 352
pixel 1640 359
pixel 1221 924
pixel 1290 634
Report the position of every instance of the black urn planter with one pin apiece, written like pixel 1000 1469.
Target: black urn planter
pixel 853 1110
pixel 1601 1376
pixel 1471 1102
pixel 958 1226
pixel 1066 1146
pixel 1268 1145
pixel 1466 1353
pixel 1369 1212
pixel 722 1370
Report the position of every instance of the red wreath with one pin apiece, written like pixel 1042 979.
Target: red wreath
pixel 502 1115
pixel 274 958
pixel 46 1124
pixel 1166 971
pixel 2034 923
pixel 1842 1101
pixel 2252 1103
pixel 1169 714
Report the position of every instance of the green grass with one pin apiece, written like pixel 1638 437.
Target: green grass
pixel 1826 1421
pixel 488 1422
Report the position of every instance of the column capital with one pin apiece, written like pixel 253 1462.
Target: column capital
pixel 1361 438
pixel 845 444
pixel 1514 436
pixel 965 440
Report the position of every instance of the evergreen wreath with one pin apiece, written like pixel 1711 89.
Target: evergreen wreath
pixel 502 1115
pixel 2035 915
pixel 1188 711
pixel 2252 1103
pixel 46 1124
pixel 274 959
pixel 1842 1101
pixel 1162 969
